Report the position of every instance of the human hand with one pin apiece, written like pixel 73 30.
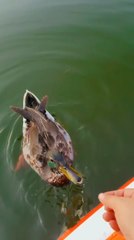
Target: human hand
pixel 119 206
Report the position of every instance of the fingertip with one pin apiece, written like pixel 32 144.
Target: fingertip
pixel 108 216
pixel 101 197
pixel 105 216
pixel 113 224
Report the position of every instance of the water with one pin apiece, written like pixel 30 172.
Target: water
pixel 79 53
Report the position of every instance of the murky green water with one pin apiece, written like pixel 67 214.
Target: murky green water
pixel 81 54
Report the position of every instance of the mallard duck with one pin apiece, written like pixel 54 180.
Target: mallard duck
pixel 47 147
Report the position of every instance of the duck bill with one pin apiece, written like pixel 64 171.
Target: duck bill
pixel 72 174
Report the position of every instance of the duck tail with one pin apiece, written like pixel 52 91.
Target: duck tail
pixel 23 112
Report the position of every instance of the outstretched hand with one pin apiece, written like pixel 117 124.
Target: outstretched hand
pixel 119 206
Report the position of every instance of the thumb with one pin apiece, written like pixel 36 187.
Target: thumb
pixel 109 201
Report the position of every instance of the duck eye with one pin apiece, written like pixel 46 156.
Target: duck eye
pixel 52 164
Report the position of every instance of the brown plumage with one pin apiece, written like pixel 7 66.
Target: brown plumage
pixel 47 147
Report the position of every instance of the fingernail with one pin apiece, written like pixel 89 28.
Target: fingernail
pixel 101 197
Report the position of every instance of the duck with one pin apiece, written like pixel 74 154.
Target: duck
pixel 46 147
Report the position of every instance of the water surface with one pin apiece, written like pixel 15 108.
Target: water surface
pixel 79 53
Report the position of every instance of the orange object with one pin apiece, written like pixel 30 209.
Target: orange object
pixel 116 236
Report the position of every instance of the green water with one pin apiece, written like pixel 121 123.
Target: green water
pixel 81 54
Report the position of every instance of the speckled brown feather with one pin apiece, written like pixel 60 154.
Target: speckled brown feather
pixel 44 138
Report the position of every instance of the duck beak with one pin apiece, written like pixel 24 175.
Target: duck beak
pixel 72 174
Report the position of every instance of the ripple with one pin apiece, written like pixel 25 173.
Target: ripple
pixel 11 142
pixel 80 54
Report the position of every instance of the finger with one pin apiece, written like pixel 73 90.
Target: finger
pixel 114 225
pixel 128 192
pixel 107 208
pixel 108 216
pixel 110 201
pixel 118 193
